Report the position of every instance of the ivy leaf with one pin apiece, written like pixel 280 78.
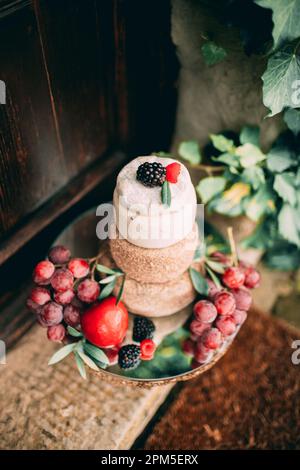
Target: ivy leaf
pixel 73 332
pixel 189 151
pixel 199 282
pixel 279 159
pixel 96 353
pixel 292 119
pixel 284 186
pixel 80 365
pixel 250 135
pixel 61 354
pixel 254 175
pixel 212 53
pixel 288 224
pixel 107 290
pixel 221 143
pixel 210 186
pixel 280 79
pixel 166 196
pixel 286 19
pixel 250 155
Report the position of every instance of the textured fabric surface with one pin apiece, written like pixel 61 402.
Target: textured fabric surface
pixel 249 399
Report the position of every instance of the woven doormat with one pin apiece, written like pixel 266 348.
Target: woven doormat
pixel 250 399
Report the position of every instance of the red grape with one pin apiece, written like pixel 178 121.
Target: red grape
pixel 243 298
pixel 52 313
pixel 226 325
pixel 43 271
pixel 213 289
pixel 59 254
pixel 233 277
pixel 212 338
pixel 221 257
pixel 62 280
pixel 72 315
pixel 189 347
pixel 56 333
pixel 252 278
pixel 41 321
pixel 205 311
pixel 88 291
pixel 40 295
pixel 202 354
pixel 32 306
pixel 239 316
pixel 79 267
pixel 224 303
pixel 197 327
pixel 64 298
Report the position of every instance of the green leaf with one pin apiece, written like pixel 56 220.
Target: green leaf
pixel 199 282
pixel 229 159
pixel 250 155
pixel 88 361
pixel 61 354
pixel 189 151
pixel 120 293
pixel 283 256
pixel 214 278
pixel 210 186
pixel 212 53
pixel 96 353
pixel 73 332
pixel 250 135
pixel 104 269
pixel 166 196
pixel 221 143
pixel 286 19
pixel 215 266
pixel 80 365
pixel 292 119
pixel 108 279
pixel 288 224
pixel 279 79
pixel 107 290
pixel 279 159
pixel 284 186
pixel 254 175
pixel 260 203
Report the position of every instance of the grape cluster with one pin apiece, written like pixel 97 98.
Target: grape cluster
pixel 225 309
pixel 64 287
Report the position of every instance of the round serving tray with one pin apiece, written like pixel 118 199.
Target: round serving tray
pixel 80 236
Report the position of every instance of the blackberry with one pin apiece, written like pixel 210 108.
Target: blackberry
pixel 151 174
pixel 129 356
pixel 143 328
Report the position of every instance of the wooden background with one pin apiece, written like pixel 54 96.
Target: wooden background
pixel 89 84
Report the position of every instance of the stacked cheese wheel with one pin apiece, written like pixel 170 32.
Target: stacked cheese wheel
pixel 152 242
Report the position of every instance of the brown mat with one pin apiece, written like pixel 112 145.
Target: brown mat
pixel 250 399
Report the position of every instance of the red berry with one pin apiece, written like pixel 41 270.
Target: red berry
pixel 147 349
pixel 32 306
pixel 213 289
pixel 224 303
pixel 172 172
pixel 56 333
pixel 43 271
pixel 105 324
pixel 62 280
pixel 72 315
pixel 233 277
pixel 239 316
pixel 79 267
pixel 202 354
pixel 252 278
pixel 226 325
pixel 197 327
pixel 64 298
pixel 88 291
pixel 205 311
pixel 52 313
pixel 212 338
pixel 59 254
pixel 112 355
pixel 243 298
pixel 189 347
pixel 40 295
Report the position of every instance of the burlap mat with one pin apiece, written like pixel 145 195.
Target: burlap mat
pixel 250 399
